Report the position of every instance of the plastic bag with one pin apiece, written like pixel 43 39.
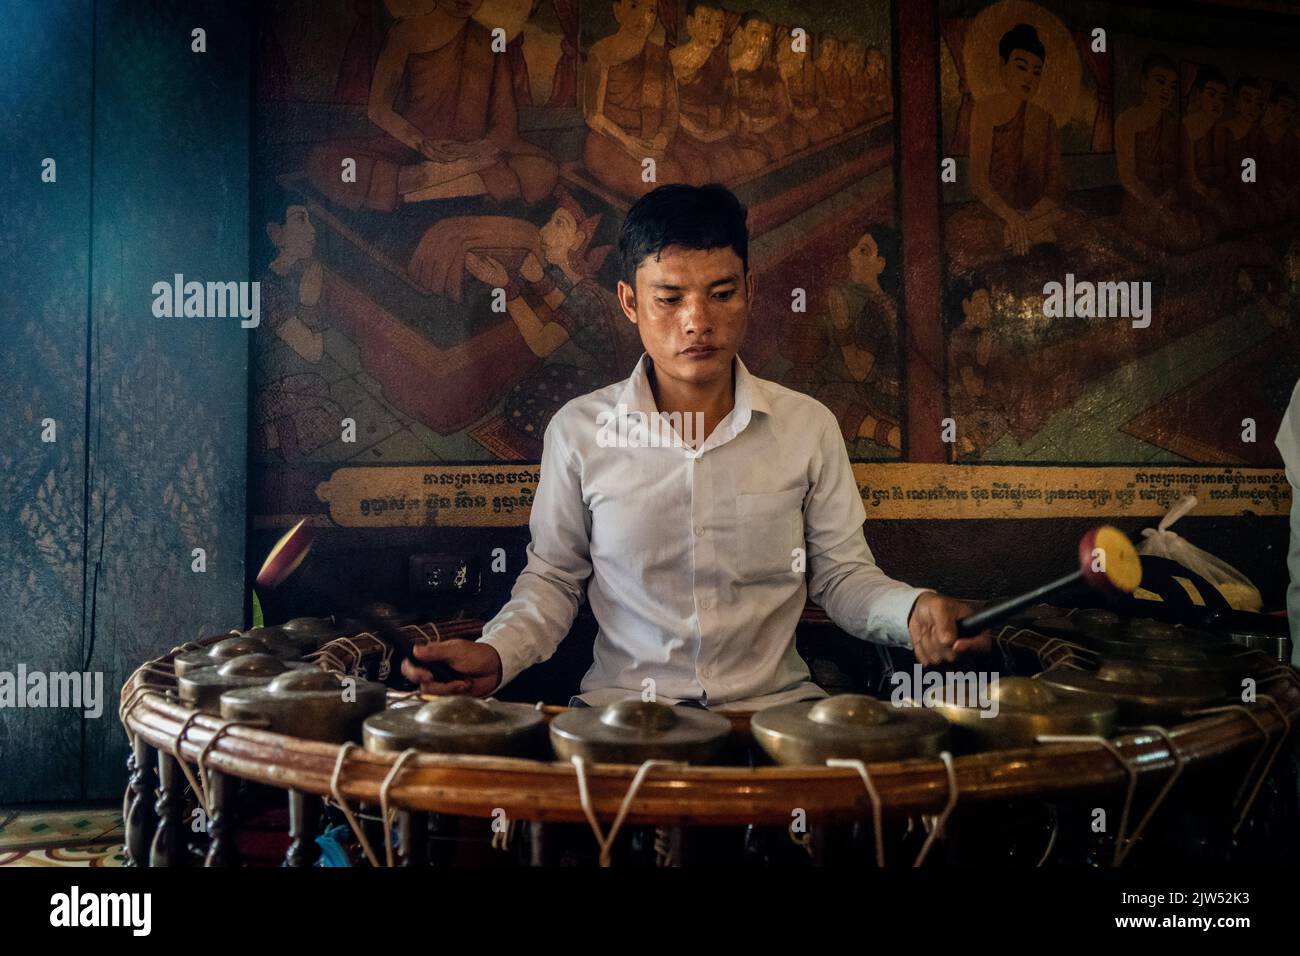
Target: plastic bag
pixel 1163 543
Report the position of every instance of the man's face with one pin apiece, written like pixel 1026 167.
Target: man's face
pixel 1284 111
pixel 1160 85
pixel 637 16
pixel 1214 97
pixel 1022 73
pixel 705 26
pixel 691 307
pixel 1249 103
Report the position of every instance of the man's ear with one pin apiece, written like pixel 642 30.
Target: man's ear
pixel 750 283
pixel 627 299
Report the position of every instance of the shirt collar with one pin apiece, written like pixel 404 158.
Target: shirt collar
pixel 636 396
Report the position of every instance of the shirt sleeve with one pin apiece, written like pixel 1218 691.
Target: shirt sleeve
pixel 1288 443
pixel 843 576
pixel 548 592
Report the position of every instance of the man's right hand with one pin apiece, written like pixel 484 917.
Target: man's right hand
pixel 479 666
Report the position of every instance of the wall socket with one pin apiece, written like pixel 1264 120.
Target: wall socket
pixel 443 574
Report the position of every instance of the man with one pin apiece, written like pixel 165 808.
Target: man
pixel 693 557
pixel 1288 443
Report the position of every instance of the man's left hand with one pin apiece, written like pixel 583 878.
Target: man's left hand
pixel 933 629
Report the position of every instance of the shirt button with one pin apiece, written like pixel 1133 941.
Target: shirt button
pixel 706 604
pixel 706 671
pixel 699 532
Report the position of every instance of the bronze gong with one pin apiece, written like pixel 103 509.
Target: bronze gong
pixel 313 704
pixel 228 649
pixel 1025 710
pixel 634 731
pixel 202 687
pixel 848 727
pixel 459 725
pixel 1142 691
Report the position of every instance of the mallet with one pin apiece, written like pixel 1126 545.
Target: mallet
pixel 1108 563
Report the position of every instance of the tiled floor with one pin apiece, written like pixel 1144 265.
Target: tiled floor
pixel 76 837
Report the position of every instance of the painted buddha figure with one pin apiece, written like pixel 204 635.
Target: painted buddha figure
pixel 878 93
pixel 766 122
pixel 706 144
pixel 1015 161
pixel 799 75
pixel 1279 159
pixel 1147 145
pixel 833 84
pixel 1231 141
pixel 1208 99
pixel 630 104
pixel 853 61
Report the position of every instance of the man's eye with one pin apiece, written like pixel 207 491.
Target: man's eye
pixel 668 301
pixel 724 295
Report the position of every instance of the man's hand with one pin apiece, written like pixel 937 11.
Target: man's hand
pixel 478 664
pixel 933 629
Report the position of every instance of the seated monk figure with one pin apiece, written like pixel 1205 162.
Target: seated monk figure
pixel 799 74
pixel 706 94
pixel 859 379
pixel 458 132
pixel 879 93
pixel 1208 99
pixel 630 104
pixel 1147 138
pixel 1015 163
pixel 1231 141
pixel 1279 159
pixel 765 120
pixel 833 85
pixel 853 63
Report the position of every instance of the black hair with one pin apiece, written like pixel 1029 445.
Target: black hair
pixel 1281 92
pixel 1247 81
pixel 1155 60
pixel 959 290
pixel 693 5
pixel 693 217
pixel 1207 75
pixel 1021 37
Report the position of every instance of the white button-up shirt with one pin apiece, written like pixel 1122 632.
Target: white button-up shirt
pixel 694 559
pixel 1288 443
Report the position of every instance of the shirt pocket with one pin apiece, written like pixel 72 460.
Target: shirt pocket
pixel 771 527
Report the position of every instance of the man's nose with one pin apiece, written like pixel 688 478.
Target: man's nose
pixel 696 317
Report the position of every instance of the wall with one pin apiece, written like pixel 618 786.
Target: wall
pixel 100 525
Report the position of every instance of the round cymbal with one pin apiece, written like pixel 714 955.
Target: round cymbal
pixel 1142 691
pixel 459 725
pixel 302 639
pixel 202 687
pixel 310 703
pixel 634 731
pixel 848 727
pixel 237 645
pixel 1022 709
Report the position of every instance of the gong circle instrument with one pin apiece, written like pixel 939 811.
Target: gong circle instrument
pixel 1115 733
pixel 848 727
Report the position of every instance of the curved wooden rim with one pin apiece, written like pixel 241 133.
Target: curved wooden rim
pixel 698 795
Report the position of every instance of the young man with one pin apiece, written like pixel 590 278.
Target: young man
pixel 696 560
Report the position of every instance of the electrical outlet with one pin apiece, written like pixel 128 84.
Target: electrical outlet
pixel 443 574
